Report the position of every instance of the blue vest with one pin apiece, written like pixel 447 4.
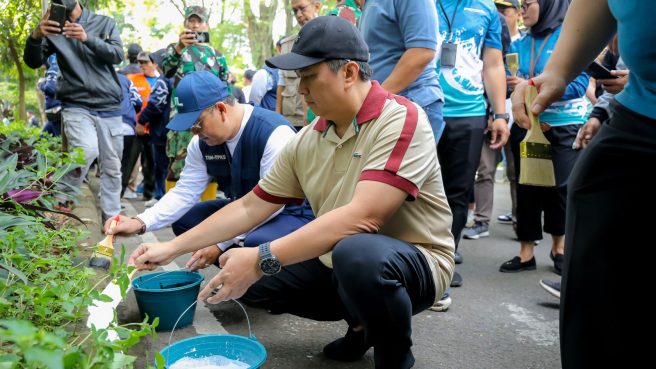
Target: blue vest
pixel 238 174
pixel 269 99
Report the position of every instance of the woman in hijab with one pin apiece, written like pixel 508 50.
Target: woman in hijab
pixel 560 123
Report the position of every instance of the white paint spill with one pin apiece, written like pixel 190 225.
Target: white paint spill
pixel 536 328
pixel 209 362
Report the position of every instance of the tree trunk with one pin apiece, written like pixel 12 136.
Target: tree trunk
pixel 289 17
pixel 259 31
pixel 40 99
pixel 21 79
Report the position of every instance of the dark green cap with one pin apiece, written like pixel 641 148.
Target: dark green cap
pixel 198 11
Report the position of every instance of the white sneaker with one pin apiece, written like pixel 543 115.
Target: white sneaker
pixel 150 202
pixel 442 305
pixel 129 194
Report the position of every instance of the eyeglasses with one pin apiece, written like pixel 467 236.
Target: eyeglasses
pixel 144 61
pixel 198 124
pixel 527 4
pixel 300 8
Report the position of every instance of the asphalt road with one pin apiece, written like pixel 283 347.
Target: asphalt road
pixel 497 320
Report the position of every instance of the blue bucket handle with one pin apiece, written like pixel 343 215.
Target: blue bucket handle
pixel 214 291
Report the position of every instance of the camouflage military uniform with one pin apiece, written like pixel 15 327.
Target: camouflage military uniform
pixel 194 58
pixel 349 11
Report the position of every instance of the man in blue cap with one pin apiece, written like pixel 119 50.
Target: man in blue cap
pixel 236 144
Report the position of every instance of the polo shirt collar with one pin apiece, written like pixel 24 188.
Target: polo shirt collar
pixel 371 108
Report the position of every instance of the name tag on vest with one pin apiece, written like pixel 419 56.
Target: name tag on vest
pixel 216 157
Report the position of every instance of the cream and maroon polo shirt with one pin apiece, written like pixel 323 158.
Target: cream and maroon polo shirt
pixel 394 145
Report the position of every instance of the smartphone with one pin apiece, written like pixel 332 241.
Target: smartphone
pixel 58 14
pixel 598 71
pixel 203 37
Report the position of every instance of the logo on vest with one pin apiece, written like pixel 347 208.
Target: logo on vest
pixel 215 157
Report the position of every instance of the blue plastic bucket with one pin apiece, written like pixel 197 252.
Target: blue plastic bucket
pixel 167 296
pixel 245 349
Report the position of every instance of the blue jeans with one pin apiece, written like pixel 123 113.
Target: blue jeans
pixel 434 113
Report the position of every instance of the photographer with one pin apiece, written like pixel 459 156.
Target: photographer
pixel 87 46
pixel 193 50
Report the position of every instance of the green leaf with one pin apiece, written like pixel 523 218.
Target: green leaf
pixel 72 359
pixel 105 298
pixel 50 358
pixel 7 221
pixel 9 361
pixel 15 272
pixel 18 327
pixel 121 360
pixel 159 359
pixel 9 164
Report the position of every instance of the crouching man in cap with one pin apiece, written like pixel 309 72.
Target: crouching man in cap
pixel 380 249
pixel 235 144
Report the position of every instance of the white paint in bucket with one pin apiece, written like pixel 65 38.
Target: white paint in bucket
pixel 209 362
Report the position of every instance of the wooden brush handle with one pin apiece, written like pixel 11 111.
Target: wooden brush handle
pixel 110 237
pixel 512 60
pixel 534 133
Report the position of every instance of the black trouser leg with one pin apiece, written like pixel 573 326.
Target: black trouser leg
pixel 459 153
pixel 608 252
pixel 131 149
pixel 147 167
pixel 377 282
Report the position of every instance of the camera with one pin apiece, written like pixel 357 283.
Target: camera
pixel 202 37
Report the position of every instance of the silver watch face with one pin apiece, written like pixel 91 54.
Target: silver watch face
pixel 270 266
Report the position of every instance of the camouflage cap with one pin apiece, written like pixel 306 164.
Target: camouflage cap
pixel 198 11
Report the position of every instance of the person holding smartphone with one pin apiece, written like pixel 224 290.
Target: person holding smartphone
pixel 190 52
pixel 87 48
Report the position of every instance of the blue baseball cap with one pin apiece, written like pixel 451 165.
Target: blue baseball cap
pixel 196 92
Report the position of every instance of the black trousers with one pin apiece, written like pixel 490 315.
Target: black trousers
pixel 132 147
pixel 608 276
pixel 377 282
pixel 459 152
pixel 532 201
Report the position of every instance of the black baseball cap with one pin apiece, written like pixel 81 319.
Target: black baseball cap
pixel 323 38
pixel 134 50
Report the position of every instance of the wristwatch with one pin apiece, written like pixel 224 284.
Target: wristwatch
pixel 269 264
pixel 505 116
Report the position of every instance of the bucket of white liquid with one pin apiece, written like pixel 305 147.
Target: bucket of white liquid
pixel 215 351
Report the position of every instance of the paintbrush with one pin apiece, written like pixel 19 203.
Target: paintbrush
pixel 102 258
pixel 536 167
pixel 512 61
pixel 101 313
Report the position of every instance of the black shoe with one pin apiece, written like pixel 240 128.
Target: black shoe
pixel 515 265
pixel 456 281
pixel 558 260
pixel 457 257
pixel 348 348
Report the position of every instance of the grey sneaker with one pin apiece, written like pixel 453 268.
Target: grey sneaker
pixel 551 286
pixel 477 231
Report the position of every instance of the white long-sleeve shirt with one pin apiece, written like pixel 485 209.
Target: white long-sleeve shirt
pixel 262 83
pixel 194 178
